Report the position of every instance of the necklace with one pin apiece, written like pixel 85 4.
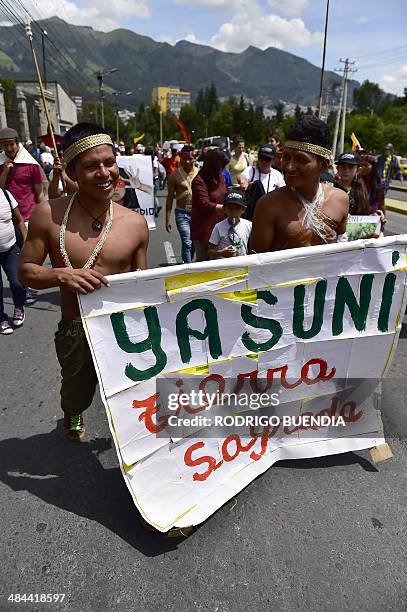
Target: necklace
pixel 98 246
pixel 96 223
pixel 314 218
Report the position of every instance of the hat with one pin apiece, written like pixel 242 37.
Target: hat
pixel 349 158
pixel 28 142
pixel 388 146
pixel 8 134
pixel 235 197
pixel 267 151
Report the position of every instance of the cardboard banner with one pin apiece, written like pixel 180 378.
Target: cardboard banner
pixel 313 329
pixel 137 173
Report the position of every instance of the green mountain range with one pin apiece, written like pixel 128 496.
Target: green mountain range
pixel 75 53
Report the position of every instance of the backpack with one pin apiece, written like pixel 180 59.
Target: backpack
pixel 253 195
pixel 19 237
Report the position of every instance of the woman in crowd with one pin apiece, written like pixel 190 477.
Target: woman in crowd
pixel 239 160
pixel 9 258
pixel 347 179
pixel 370 176
pixel 208 190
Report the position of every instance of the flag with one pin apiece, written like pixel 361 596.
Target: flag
pixel 355 142
pixel 137 139
pixel 183 129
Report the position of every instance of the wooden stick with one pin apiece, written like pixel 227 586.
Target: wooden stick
pixel 29 34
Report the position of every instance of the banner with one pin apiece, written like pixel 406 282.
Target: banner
pixel 310 331
pixel 137 173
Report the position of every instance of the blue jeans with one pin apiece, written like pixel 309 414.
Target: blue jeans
pixel 183 221
pixel 9 263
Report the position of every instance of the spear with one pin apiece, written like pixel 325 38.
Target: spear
pixel 29 34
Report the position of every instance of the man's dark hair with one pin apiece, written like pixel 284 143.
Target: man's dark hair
pixel 310 129
pixel 79 131
pixel 187 149
pixel 149 151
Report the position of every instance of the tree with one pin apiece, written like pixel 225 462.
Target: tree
pixel 279 117
pixel 298 112
pixel 368 98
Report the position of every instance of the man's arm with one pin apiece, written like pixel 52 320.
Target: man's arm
pixel 36 247
pixel 6 169
pixel 139 260
pixel 169 201
pixel 263 226
pixel 39 193
pixel 19 222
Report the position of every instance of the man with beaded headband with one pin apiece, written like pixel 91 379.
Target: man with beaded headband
pixel 304 212
pixel 87 237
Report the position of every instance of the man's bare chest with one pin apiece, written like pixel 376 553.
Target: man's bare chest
pixel 114 257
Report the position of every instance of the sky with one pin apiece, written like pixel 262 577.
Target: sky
pixel 369 32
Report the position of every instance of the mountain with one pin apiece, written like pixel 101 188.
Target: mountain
pixel 75 53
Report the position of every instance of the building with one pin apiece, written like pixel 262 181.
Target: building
pixel 170 99
pixel 21 108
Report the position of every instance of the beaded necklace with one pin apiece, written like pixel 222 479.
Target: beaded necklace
pixel 93 256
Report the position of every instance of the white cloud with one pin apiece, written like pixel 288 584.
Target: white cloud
pixel 253 26
pixel 224 5
pixel 293 8
pixel 362 19
pixel 101 16
pixel 396 81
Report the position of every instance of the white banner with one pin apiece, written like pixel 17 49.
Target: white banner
pixel 300 325
pixel 137 173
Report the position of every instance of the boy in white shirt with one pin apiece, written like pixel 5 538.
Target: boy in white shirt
pixel 230 237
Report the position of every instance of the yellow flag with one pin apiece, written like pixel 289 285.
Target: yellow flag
pixel 355 142
pixel 137 139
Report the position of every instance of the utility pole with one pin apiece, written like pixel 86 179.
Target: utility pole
pixel 323 60
pixel 117 94
pixel 338 117
pixel 161 127
pixel 346 71
pixel 100 76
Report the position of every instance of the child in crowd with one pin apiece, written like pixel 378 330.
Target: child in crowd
pixel 230 237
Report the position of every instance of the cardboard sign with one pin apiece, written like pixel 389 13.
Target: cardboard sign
pixel 363 226
pixel 300 325
pixel 137 174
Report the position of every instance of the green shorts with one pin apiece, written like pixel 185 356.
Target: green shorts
pixel 79 378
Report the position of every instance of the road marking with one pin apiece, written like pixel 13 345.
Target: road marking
pixel 169 253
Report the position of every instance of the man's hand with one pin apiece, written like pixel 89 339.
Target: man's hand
pixel 80 281
pixel 228 251
pixel 58 166
pixel 168 225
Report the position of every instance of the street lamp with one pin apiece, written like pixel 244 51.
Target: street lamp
pixel 117 94
pixel 100 76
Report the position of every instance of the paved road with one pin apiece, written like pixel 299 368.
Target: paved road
pixel 314 535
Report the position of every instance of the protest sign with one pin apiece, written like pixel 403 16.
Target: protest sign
pixel 137 173
pixel 301 325
pixel 363 226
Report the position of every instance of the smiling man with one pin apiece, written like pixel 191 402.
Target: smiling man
pixel 86 236
pixel 304 212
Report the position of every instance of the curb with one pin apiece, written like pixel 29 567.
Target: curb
pixel 396 206
pixel 397 188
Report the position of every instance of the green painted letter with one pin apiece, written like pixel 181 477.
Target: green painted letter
pixel 261 323
pixel 345 297
pixel 298 314
pixel 211 330
pixel 152 342
pixel 387 300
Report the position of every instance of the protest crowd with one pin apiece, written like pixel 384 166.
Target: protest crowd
pixel 78 210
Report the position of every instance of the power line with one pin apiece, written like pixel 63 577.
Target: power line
pixel 379 52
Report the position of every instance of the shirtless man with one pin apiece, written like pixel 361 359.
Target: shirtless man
pixel 86 236
pixel 180 185
pixel 305 212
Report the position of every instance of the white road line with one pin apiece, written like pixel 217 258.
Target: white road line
pixel 169 253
